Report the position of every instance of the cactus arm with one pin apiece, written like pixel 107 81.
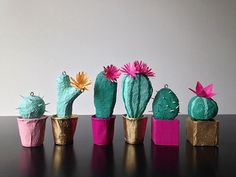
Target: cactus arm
pixel 66 94
pixel 104 96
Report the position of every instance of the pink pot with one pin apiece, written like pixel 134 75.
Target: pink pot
pixel 103 130
pixel 165 132
pixel 31 131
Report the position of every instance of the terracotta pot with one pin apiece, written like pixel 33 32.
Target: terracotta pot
pixel 103 130
pixel 165 132
pixel 31 131
pixel 64 129
pixel 134 129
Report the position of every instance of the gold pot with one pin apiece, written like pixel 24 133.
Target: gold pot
pixel 202 133
pixel 64 129
pixel 134 129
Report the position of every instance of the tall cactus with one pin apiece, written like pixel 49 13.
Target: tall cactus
pixel 105 90
pixel 166 104
pixel 32 107
pixel 68 90
pixel 136 88
pixel 202 106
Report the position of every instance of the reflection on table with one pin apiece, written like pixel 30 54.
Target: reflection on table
pixel 32 162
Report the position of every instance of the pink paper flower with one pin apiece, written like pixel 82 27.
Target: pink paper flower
pixel 112 73
pixel 203 92
pixel 137 67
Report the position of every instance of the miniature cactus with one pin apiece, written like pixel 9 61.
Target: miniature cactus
pixel 105 91
pixel 32 107
pixel 136 88
pixel 202 106
pixel 68 90
pixel 166 104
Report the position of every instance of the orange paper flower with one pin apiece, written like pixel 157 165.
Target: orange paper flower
pixel 81 81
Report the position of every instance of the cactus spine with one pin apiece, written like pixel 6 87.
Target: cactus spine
pixel 32 107
pixel 166 104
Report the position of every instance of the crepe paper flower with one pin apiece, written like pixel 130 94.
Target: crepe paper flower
pixel 81 81
pixel 129 69
pixel 112 73
pixel 137 67
pixel 203 92
pixel 142 68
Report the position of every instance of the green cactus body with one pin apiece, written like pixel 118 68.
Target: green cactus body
pixel 165 105
pixel 136 93
pixel 104 96
pixel 66 94
pixel 200 108
pixel 32 107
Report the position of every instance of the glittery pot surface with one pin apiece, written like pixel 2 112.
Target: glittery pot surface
pixel 63 129
pixel 202 133
pixel 134 129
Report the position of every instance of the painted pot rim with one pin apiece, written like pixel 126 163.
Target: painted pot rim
pixel 34 119
pixel 74 116
pixel 155 118
pixel 130 118
pixel 207 120
pixel 93 117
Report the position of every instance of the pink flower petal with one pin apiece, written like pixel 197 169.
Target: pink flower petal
pixel 203 92
pixel 112 73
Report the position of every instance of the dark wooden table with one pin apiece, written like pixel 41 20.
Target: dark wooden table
pixel 83 159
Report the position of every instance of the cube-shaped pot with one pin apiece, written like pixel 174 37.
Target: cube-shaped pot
pixel 202 133
pixel 165 132
pixel 103 130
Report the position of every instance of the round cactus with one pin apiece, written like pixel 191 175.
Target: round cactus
pixel 105 89
pixel 202 106
pixel 136 88
pixel 32 107
pixel 166 104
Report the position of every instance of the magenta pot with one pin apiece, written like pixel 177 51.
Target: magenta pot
pixel 31 131
pixel 165 132
pixel 103 130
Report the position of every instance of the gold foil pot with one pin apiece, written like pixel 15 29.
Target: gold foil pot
pixel 134 129
pixel 202 133
pixel 64 129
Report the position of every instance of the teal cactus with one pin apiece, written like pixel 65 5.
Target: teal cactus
pixel 105 90
pixel 202 106
pixel 32 107
pixel 166 104
pixel 136 88
pixel 68 91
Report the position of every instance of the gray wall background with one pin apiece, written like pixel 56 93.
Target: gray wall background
pixel 182 40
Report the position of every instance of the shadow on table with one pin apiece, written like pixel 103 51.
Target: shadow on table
pixel 64 161
pixel 102 162
pixel 32 162
pixel 202 160
pixel 134 158
pixel 165 160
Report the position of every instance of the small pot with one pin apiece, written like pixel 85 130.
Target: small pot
pixel 165 132
pixel 63 129
pixel 103 130
pixel 32 131
pixel 134 129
